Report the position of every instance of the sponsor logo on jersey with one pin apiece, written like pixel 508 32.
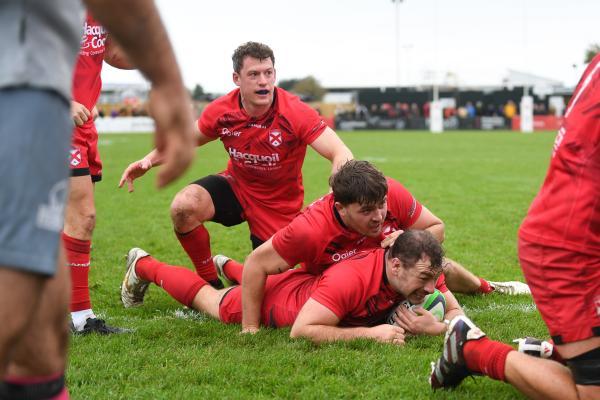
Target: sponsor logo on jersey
pixel 259 126
pixel 337 257
pixel 94 37
pixel 75 157
pixel 227 132
pixel 275 138
pixel 254 159
pixel 559 138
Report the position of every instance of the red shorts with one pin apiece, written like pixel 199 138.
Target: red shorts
pixel 566 289
pixel 285 294
pixel 262 219
pixel 85 158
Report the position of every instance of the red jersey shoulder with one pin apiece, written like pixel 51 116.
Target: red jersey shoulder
pixel 220 115
pixel 298 117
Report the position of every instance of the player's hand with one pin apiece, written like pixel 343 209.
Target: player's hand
pixel 386 333
pixel 134 171
pixel 79 113
pixel 170 106
pixel 250 330
pixel 418 321
pixel 390 239
pixel 95 113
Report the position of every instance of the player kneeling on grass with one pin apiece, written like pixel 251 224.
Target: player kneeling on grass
pixel 349 300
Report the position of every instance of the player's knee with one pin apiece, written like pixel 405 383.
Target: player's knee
pixel 586 368
pixel 188 207
pixel 88 220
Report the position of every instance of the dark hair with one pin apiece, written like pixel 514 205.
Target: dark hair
pixel 251 49
pixel 358 182
pixel 410 246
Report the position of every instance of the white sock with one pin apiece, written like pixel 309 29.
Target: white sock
pixel 79 318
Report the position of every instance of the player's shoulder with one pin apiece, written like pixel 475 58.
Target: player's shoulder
pixel 290 105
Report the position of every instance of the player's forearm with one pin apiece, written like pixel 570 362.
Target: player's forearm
pixel 437 230
pixel 340 158
pixel 154 158
pixel 326 333
pixel 253 290
pixel 135 22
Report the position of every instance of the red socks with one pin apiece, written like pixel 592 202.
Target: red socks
pixel 487 357
pixel 78 261
pixel 181 283
pixel 485 287
pixel 233 271
pixel 196 244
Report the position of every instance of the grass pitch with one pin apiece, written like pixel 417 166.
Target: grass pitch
pixel 480 184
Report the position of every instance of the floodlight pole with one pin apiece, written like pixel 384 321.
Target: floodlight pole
pixel 397 3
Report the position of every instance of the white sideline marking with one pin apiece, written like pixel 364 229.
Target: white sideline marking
pixel 186 313
pixel 524 308
pixel 375 159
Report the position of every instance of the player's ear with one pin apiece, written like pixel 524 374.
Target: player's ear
pixel 236 78
pixel 339 207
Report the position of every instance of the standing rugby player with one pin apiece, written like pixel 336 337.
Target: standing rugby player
pixel 265 130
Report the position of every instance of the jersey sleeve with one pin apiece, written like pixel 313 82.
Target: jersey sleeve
pixel 340 291
pixel 402 204
pixel 307 122
pixel 440 284
pixel 296 242
pixel 208 121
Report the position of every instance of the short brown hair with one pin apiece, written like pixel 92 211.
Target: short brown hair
pixel 251 49
pixel 358 182
pixel 411 245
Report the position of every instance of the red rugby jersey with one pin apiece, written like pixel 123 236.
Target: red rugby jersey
pixel 86 78
pixel 318 238
pixel 566 211
pixel 355 290
pixel 266 154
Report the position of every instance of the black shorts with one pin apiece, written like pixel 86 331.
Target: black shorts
pixel 228 210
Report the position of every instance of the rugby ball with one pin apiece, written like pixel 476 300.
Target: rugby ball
pixel 435 303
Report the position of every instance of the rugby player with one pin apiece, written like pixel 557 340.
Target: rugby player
pixel 559 251
pixel 347 301
pixel 265 131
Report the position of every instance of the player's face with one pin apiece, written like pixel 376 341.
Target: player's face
pixel 417 282
pixel 256 81
pixel 364 219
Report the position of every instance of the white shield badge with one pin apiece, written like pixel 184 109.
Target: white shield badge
pixel 275 138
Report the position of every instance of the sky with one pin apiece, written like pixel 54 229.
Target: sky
pixel 376 43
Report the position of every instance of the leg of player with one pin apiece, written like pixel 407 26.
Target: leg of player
pixel 190 208
pixel 180 283
pixel 461 280
pixel 467 351
pixel 39 358
pixel 18 301
pixel 80 221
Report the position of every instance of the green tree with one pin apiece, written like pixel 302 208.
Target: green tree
pixel 309 87
pixel 591 51
pixel 198 92
pixel 287 84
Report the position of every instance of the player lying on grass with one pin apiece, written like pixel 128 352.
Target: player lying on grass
pixel 347 301
pixel 265 130
pixel 366 210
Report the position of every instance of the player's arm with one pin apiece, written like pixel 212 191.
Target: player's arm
pixel 79 113
pixel 319 324
pixel 138 168
pixel 330 146
pixel 429 222
pixel 263 261
pixel 115 56
pixel 137 26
